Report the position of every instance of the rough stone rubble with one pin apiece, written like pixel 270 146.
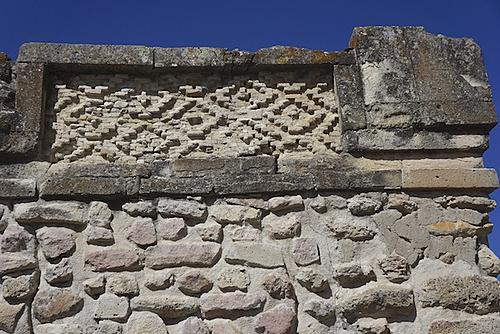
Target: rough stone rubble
pixel 197 190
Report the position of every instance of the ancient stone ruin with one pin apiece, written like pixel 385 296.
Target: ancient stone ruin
pixel 199 190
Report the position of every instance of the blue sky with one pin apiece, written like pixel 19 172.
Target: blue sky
pixel 249 25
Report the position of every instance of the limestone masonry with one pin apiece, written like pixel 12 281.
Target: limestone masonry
pixel 200 190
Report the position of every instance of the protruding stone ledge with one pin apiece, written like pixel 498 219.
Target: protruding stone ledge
pixel 407 140
pixel 134 55
pixel 473 178
pixel 85 54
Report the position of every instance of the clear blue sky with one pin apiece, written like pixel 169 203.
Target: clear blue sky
pixel 249 25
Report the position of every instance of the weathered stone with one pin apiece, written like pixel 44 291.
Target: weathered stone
pixel 472 178
pixel 353 274
pixel 254 254
pixel 146 323
pixel 318 204
pixel 182 254
pixel 395 268
pixel 472 294
pixel 141 208
pixel 190 210
pixel 480 204
pixel 233 278
pixel 15 239
pixel 234 214
pixel 109 327
pixel 305 251
pixel 99 236
pixel 113 259
pixel 58 329
pixel 377 301
pixel 458 229
pixel 245 233
pixel 402 203
pixel 289 203
pixel 56 241
pixel 74 213
pixel 52 304
pixel 281 227
pixel 99 214
pixel 322 310
pixel 159 280
pixel 193 282
pixel 312 279
pixel 122 284
pixel 343 226
pixel 20 288
pixel 59 273
pixel 278 284
pixel 15 262
pixel 488 261
pixel 111 307
pixel 488 325
pixel 17 188
pixel 194 325
pixel 95 286
pixel 230 304
pixel 372 326
pixel 141 231
pixel 9 315
pixel 223 326
pixel 166 306
pixel 209 231
pixel 363 206
pixel 171 228
pixel 281 319
pixel 86 54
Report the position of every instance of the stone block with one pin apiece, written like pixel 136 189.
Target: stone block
pixel 84 54
pixel 52 304
pixel 182 254
pixel 55 212
pixel 17 188
pixel 487 325
pixel 254 254
pixel 464 178
pixel 189 57
pixel 349 91
pixel 167 306
pixel 407 140
pixel 30 97
pixel 227 305
pixel 471 294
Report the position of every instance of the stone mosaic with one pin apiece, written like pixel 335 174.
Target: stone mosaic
pixel 126 118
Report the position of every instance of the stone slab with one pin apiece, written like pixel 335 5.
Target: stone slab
pixel 404 140
pixel 465 178
pixel 85 54
pixel 17 188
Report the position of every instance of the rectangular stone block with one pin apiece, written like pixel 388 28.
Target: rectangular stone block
pixel 358 179
pixel 404 140
pixel 17 188
pixel 22 144
pixel 30 97
pixel 175 185
pixel 472 178
pixel 255 254
pixel 189 57
pixel 349 92
pixel 84 54
pixel 182 254
pixel 257 183
pixel 57 186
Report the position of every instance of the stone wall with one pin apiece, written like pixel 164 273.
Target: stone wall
pixel 199 190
